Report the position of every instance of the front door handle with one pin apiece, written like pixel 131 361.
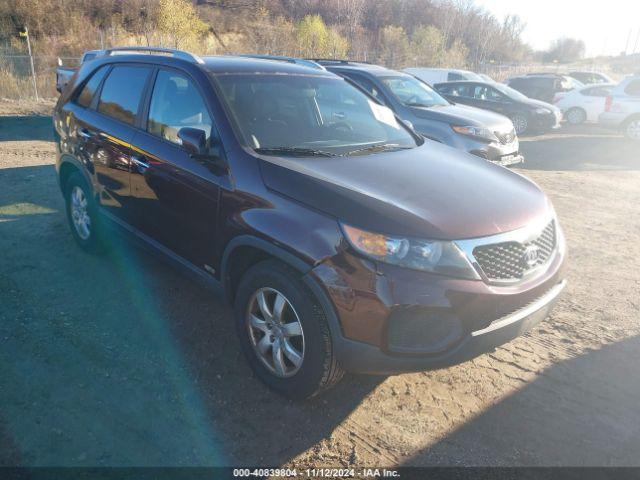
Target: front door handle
pixel 139 162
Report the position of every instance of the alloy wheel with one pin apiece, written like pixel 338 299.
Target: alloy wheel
pixel 576 116
pixel 633 129
pixel 520 124
pixel 275 332
pixel 80 213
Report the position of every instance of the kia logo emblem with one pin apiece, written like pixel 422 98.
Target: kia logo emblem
pixel 530 256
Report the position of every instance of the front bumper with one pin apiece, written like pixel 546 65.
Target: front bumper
pixel 550 121
pixel 359 357
pixel 390 319
pixel 502 154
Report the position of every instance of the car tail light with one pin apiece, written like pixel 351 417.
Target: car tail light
pixel 607 103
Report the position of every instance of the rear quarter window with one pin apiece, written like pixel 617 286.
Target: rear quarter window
pixel 122 92
pixel 88 91
pixel 633 88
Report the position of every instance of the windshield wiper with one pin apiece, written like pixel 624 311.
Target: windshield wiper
pixel 418 104
pixel 377 147
pixel 303 152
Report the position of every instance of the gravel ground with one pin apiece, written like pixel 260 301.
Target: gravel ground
pixel 121 361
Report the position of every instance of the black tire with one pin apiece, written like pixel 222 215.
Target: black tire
pixel 576 116
pixel 94 242
pixel 520 123
pixel 630 129
pixel 319 369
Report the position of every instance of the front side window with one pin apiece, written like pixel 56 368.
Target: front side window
pixel 309 115
pixel 484 92
pixel 89 90
pixel 597 91
pixel 412 92
pixel 175 104
pixel 122 92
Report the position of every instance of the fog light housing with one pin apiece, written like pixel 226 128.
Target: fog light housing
pixel 415 330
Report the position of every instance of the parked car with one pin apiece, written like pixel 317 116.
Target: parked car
pixel 584 104
pixel 439 75
pixel 622 108
pixel 479 132
pixel 486 78
pixel 526 113
pixel 590 78
pixel 344 241
pixel 543 87
pixel 64 74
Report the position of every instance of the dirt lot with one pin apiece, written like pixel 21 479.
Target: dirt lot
pixel 122 361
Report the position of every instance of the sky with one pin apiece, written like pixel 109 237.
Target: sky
pixel 603 25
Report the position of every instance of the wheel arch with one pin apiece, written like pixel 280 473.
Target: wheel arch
pixel 69 165
pixel 244 251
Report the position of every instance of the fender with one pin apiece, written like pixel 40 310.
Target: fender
pixel 294 262
pixel 255 242
pixel 66 158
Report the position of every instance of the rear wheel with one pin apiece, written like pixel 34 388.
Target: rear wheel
pixel 284 332
pixel 576 116
pixel 82 214
pixel 632 129
pixel 520 123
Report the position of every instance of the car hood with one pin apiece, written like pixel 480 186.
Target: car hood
pixel 464 115
pixel 432 191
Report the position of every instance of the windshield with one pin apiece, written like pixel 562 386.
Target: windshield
pixel 308 115
pixel 510 92
pixel 413 93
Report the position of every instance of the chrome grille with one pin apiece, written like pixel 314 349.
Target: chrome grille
pixel 510 261
pixel 506 137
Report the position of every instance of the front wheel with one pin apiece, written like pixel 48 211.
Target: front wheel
pixel 576 116
pixel 284 333
pixel 520 123
pixel 632 129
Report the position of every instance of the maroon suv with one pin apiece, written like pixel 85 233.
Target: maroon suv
pixel 345 241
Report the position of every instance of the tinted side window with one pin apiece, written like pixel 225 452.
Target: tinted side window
pixel 452 77
pixel 122 92
pixel 175 104
pixel 633 88
pixel 89 90
pixel 597 91
pixel 368 86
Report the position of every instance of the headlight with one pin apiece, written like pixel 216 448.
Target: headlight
pixel 427 255
pixel 478 132
pixel 543 111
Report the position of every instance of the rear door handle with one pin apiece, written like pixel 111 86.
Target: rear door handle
pixel 140 163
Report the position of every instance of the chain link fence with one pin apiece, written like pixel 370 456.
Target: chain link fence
pixel 17 81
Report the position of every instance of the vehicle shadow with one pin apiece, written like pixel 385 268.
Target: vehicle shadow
pixel 579 148
pixel 120 361
pixel 574 398
pixel 27 127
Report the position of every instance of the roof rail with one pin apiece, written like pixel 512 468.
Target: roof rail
pixel 190 57
pixel 337 60
pixel 282 58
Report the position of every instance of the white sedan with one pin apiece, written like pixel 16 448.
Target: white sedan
pixel 585 104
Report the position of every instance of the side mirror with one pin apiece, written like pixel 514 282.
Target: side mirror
pixel 194 140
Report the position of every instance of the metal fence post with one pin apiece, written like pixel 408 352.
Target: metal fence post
pixel 33 69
